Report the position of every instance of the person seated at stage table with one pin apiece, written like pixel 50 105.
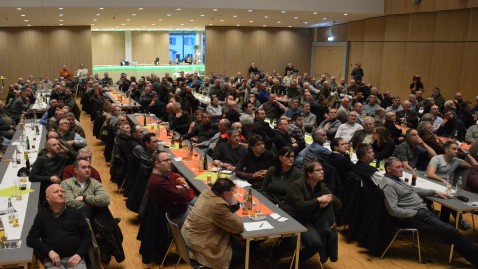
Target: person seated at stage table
pixel 83 193
pixel 84 154
pixel 426 134
pixel 48 168
pixel 413 150
pixel 254 165
pixel 382 143
pixel 281 175
pixel 347 130
pixel 60 234
pixel 209 227
pixel 405 203
pixel 169 190
pixel 311 203
pixel 228 154
pixel 362 168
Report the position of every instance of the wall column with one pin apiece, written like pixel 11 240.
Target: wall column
pixel 128 47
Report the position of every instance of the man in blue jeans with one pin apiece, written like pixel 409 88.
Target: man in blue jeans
pixel 404 202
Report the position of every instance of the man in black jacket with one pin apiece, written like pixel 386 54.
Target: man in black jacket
pixel 262 128
pixel 60 234
pixel 202 132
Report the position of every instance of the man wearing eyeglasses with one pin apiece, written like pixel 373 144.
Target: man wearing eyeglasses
pixel 169 190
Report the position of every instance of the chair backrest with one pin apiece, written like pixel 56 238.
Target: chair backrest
pixel 178 240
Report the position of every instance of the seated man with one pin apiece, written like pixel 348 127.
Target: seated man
pixel 364 135
pixel 412 150
pixel 395 132
pixel 169 190
pixel 75 125
pixel 7 125
pixel 253 166
pixel 84 154
pixel 408 116
pixel 347 129
pixel 340 157
pixel 83 193
pixel 331 124
pixel 53 122
pixel 272 107
pixel 227 155
pixel 362 168
pixel 262 128
pixel 317 148
pixel 60 235
pixel 451 126
pixel 205 131
pixel 311 203
pixel 69 137
pixel 297 131
pixel 404 202
pixel 210 225
pixel 282 137
pixel 48 168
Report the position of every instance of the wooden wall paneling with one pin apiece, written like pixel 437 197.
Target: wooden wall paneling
pixel 149 45
pixel 422 27
pixel 372 62
pixel 162 46
pixel 5 59
pixel 397 27
pixel 468 71
pixel 375 29
pixel 393 77
pixel 418 60
pixel 328 59
pixel 119 45
pixel 234 42
pixel 80 40
pixel 339 31
pixel 446 66
pixel 452 25
pixel 108 48
pixel 137 45
pixel 356 55
pixel 472 33
pixel 356 30
pixel 406 6
pixel 215 49
pixel 60 50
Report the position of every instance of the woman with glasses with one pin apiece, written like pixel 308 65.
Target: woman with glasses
pixel 383 144
pixel 281 175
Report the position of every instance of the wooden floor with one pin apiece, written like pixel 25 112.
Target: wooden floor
pixel 401 255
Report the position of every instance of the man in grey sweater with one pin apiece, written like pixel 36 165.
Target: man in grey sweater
pixel 404 202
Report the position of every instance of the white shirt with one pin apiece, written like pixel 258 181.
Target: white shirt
pixel 346 131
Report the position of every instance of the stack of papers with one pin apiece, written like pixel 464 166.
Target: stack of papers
pixel 258 225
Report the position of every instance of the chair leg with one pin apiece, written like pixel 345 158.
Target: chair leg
pixel 167 252
pixel 418 243
pixel 383 254
pixel 178 261
pixel 292 261
pixel 318 258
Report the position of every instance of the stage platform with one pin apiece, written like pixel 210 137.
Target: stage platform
pixel 146 70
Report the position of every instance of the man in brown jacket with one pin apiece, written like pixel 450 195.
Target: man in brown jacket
pixel 209 226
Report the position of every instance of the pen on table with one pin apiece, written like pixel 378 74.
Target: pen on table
pixel 261 225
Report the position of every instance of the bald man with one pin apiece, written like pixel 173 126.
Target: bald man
pixel 48 168
pixel 60 235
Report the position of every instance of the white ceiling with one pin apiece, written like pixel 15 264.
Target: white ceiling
pixel 184 15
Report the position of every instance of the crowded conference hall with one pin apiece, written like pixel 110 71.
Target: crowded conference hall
pixel 240 136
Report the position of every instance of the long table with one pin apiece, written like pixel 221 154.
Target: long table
pixel 27 207
pixel 121 100
pixel 197 179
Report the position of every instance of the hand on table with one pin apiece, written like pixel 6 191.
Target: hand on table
pixel 442 195
pixel 259 174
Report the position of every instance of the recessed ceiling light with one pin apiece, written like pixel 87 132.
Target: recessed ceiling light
pixel 140 8
pixel 305 22
pixel 178 9
pixel 19 8
pixel 295 18
pixel 61 14
pixel 202 15
pixel 153 24
pixel 251 21
pixel 29 25
pixel 289 26
pixel 345 14
pixel 214 9
pixel 123 24
pixel 266 17
pixel 61 24
pixel 101 8
pixel 98 14
pixel 324 19
pixel 234 16
pixel 133 14
pixel 191 20
pixel 222 20
pixel 60 8
pixel 92 24
pixel 26 20
pixel 250 10
pixel 182 24
pixel 315 13
pixel 264 25
pixel 283 11
pixel 238 25
pixel 279 22
pixel 60 20
pixel 94 19
pixel 23 15
pixel 210 24
pixel 169 15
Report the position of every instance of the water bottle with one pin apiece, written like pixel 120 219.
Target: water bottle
pixel 459 186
